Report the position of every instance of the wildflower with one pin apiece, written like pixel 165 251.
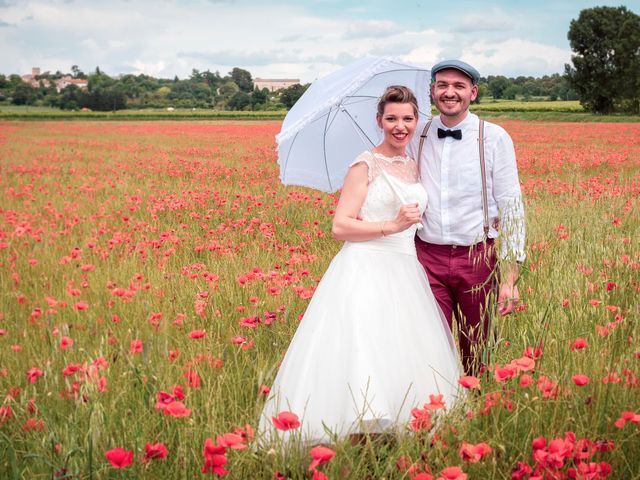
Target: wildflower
pixel 525 380
pixel 320 455
pixel 195 334
pixel 119 457
pixel 66 342
pixel 580 380
pixel 214 458
pixel 286 421
pixel 469 382
pixel 33 374
pixel 452 473
pixel 157 450
pixel 176 409
pixel 502 374
pixel 421 419
pixel 578 344
pixel 136 346
pixel 474 453
pixel 231 440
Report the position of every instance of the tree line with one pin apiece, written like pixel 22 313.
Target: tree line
pixel 210 90
pixel 604 76
pixel 234 91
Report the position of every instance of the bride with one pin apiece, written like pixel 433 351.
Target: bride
pixel 373 343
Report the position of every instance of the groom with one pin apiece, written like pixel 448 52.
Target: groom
pixel 468 210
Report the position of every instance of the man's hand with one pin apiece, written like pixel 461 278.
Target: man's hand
pixel 508 294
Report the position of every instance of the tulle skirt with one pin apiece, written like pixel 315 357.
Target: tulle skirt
pixel 372 345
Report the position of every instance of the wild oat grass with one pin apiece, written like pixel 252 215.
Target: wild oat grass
pixel 113 233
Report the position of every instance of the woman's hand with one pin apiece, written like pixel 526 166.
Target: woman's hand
pixel 407 216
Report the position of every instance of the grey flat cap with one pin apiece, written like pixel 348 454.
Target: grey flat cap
pixel 465 68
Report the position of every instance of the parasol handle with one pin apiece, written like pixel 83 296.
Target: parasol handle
pixel 396 193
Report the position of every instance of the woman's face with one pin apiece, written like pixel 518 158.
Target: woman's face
pixel 398 122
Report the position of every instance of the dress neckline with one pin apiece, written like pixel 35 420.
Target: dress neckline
pixel 395 158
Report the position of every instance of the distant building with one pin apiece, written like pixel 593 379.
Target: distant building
pixel 68 80
pixel 273 84
pixel 60 83
pixel 30 78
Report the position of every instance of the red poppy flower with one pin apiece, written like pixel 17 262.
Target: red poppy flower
pixel 436 402
pixel 452 473
pixel 176 409
pixel 524 364
pixel 421 419
pixel 579 344
pixel 193 379
pixel 195 334
pixel 320 455
pixel 318 475
pixel 119 457
pixel 474 453
pixel 580 380
pixel 525 380
pixel 136 346
pixel 502 374
pixel 469 382
pixel 157 450
pixel 214 458
pixel 231 440
pixel 66 342
pixel 422 476
pixel 79 306
pixel 33 374
pixel 286 421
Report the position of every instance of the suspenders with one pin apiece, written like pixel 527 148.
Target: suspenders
pixel 483 171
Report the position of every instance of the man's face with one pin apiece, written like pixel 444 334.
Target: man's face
pixel 452 93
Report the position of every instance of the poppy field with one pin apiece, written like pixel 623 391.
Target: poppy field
pixel 152 275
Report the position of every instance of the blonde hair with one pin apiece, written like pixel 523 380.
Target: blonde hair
pixel 397 94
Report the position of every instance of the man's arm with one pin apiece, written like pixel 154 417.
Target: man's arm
pixel 507 194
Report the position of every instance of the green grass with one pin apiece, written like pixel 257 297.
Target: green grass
pixel 546 111
pixel 46 113
pixel 153 206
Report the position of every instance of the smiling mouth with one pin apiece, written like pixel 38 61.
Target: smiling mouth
pixel 400 136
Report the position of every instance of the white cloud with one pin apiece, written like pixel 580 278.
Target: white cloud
pixel 151 69
pixel 490 20
pixel 167 38
pixel 515 57
pixel 371 29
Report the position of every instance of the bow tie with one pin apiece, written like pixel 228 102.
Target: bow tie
pixel 457 134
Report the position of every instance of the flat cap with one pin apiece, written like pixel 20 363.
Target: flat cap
pixel 465 68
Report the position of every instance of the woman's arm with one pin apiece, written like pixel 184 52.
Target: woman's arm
pixel 346 225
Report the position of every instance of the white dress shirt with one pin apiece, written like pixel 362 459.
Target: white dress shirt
pixel 450 172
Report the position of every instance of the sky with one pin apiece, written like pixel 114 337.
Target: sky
pixel 285 38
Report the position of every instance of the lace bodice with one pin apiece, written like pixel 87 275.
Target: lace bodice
pixel 393 181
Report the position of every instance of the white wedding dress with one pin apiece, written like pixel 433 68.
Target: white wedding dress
pixel 373 343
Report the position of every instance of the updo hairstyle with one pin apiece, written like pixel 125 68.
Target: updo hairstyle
pixel 397 94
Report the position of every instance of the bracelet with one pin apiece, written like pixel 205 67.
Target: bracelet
pixel 382 229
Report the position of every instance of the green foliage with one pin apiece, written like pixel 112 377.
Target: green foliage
pixel 242 79
pixel 239 101
pixel 497 85
pixel 606 60
pixel 24 94
pixel 290 95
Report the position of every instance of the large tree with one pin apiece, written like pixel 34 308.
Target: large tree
pixel 606 59
pixel 243 79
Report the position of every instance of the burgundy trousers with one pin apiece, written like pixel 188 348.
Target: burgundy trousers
pixel 463 282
